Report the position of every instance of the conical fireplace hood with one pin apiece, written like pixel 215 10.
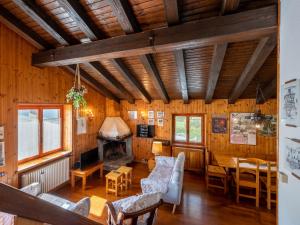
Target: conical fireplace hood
pixel 114 128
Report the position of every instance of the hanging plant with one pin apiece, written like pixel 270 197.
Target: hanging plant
pixel 77 92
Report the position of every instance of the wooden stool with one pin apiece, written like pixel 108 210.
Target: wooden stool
pixel 127 171
pixel 114 181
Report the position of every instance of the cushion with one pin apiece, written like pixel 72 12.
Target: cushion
pixel 61 202
pixel 82 207
pixel 32 189
pixel 176 177
pixel 165 161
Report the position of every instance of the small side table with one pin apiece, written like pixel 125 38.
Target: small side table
pixel 127 171
pixel 114 181
pixel 151 164
pixel 85 173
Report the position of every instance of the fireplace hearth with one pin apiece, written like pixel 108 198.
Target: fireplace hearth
pixel 115 143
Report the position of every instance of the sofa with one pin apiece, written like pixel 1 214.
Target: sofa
pixel 81 207
pixel 166 178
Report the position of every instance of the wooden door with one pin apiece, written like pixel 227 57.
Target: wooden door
pixel 196 160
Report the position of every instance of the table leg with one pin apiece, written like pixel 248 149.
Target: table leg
pixel 116 187
pixel 72 180
pixel 101 172
pixel 83 183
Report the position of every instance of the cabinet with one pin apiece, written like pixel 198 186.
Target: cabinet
pixel 194 157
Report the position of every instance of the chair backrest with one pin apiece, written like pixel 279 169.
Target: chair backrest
pixel 207 158
pixel 122 216
pixel 271 172
pixel 248 166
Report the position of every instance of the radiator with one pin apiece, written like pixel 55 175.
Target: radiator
pixel 49 176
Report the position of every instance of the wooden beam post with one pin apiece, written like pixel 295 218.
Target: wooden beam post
pixel 259 56
pixel 242 26
pixel 122 10
pixel 172 15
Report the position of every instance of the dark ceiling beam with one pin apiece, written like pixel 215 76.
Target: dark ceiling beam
pixel 172 16
pixel 263 50
pixel 215 69
pixel 121 67
pixel 111 79
pixel 30 35
pixel 229 6
pixel 82 19
pixel 218 54
pixel 247 25
pixel 78 14
pixel 45 21
pixel 18 26
pixel 268 92
pixel 123 11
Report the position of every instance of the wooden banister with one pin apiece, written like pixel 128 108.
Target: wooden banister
pixel 16 202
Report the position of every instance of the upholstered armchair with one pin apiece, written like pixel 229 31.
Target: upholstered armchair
pixel 138 209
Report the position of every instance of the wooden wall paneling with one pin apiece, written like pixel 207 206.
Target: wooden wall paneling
pixel 265 148
pixel 22 83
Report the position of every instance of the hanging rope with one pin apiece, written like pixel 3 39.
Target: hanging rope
pixel 77 83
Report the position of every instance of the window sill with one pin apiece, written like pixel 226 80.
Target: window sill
pixel 184 145
pixel 23 167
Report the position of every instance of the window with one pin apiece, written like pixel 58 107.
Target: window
pixel 39 131
pixel 188 129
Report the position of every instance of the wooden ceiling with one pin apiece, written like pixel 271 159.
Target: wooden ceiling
pixel 224 70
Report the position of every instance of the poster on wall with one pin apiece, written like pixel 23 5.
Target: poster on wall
pixel 160 122
pixel 160 115
pixel 292 156
pixel 151 114
pixel 81 125
pixel 242 129
pixel 1 132
pixel 268 127
pixel 132 115
pixel 219 124
pixel 291 102
pixel 2 154
pixel 151 121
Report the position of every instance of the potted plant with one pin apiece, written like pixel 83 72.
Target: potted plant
pixel 77 92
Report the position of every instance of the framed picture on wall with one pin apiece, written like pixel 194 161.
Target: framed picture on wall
pixel 2 154
pixel 1 132
pixel 219 124
pixel 292 155
pixel 151 121
pixel 160 122
pixel 132 115
pixel 291 102
pixel 81 125
pixel 150 114
pixel 160 115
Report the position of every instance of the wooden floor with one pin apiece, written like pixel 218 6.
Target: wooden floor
pixel 199 206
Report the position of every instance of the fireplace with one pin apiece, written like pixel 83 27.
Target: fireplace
pixel 115 143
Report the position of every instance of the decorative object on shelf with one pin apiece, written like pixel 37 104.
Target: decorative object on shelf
pixel 150 114
pixel 156 147
pixel 77 92
pixel 2 154
pixel 268 126
pixel 81 125
pixel 160 115
pixel 1 132
pixel 219 124
pixel 242 129
pixel 292 156
pixel 160 122
pixel 151 121
pixel 132 115
pixel 291 102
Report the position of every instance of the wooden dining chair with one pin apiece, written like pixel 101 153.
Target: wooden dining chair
pixel 247 177
pixel 270 183
pixel 216 176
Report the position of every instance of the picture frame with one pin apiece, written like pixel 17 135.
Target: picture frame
pixel 291 102
pixel 150 114
pixel 292 156
pixel 160 122
pixel 151 121
pixel 132 114
pixel 81 125
pixel 1 132
pixel 219 124
pixel 2 154
pixel 160 115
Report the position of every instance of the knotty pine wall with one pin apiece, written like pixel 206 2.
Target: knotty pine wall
pixel 22 83
pixel 265 148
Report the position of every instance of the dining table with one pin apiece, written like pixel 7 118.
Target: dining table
pixel 230 162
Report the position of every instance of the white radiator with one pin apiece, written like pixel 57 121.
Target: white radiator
pixel 49 176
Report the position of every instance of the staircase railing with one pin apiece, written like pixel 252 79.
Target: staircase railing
pixel 16 202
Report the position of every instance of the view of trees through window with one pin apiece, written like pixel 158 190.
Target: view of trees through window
pixel 188 129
